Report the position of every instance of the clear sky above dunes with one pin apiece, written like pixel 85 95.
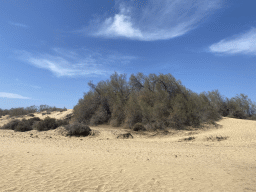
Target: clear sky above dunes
pixel 50 50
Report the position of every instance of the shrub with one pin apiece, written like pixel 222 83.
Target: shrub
pixel 62 122
pixel 86 107
pixel 216 138
pixel 101 116
pixel 17 111
pixel 11 125
pixel 114 123
pixel 239 115
pixel 77 129
pixel 139 127
pixel 31 115
pixel 23 126
pixel 47 124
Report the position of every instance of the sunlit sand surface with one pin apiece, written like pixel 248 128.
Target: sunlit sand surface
pixel 219 159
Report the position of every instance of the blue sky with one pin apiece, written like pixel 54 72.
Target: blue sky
pixel 51 49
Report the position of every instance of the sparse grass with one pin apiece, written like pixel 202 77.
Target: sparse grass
pixel 187 139
pixel 125 136
pixel 216 138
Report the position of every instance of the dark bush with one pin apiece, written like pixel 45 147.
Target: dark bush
pixel 23 126
pixel 101 116
pixel 139 127
pixel 33 120
pixel 31 115
pixel 47 124
pixel 62 122
pixel 125 136
pixel 11 125
pixel 77 129
pixel 239 115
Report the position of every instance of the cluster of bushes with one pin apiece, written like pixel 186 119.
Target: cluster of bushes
pixel 49 123
pixel 21 125
pixel 156 101
pixel 34 123
pixel 28 110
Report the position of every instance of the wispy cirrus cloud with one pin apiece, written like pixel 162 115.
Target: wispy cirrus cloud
pixel 152 20
pixel 240 44
pixel 63 62
pixel 27 85
pixel 12 96
pixel 18 24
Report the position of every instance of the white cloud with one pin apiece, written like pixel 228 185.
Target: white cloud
pixel 18 24
pixel 243 44
pixel 71 63
pixel 12 96
pixel 153 20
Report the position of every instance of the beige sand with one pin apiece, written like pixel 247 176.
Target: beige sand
pixel 46 161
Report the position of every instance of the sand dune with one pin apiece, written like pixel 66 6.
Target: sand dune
pixel 219 159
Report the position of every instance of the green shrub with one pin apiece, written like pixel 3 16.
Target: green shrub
pixel 77 129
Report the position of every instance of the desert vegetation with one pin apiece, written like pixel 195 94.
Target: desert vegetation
pixel 34 123
pixel 142 103
pixel 77 129
pixel 29 110
pixel 156 102
pixel 216 138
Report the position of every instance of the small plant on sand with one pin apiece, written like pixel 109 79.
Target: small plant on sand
pixel 188 139
pixel 139 127
pixel 77 129
pixel 216 138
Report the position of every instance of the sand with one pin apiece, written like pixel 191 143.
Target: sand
pixel 47 161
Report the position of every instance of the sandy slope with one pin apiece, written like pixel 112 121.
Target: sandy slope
pixel 47 161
